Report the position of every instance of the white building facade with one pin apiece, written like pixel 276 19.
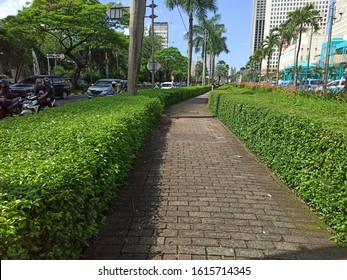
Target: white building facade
pixel 340 28
pixel 276 12
pixel 161 29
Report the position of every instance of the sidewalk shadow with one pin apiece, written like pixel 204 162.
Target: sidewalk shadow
pixel 326 253
pixel 131 231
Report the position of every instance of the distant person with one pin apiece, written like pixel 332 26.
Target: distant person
pixel 157 86
pixel 43 93
pixel 7 100
pixel 5 90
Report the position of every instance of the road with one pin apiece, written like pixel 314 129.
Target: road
pixel 71 98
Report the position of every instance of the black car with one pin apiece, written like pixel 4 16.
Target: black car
pixel 61 86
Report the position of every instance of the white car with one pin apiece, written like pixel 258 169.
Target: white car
pixel 336 86
pixel 167 85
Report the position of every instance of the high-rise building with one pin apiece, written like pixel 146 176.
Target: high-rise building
pixel 268 14
pixel 258 24
pixel 340 28
pixel 161 29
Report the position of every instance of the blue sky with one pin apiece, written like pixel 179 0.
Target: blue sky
pixel 236 15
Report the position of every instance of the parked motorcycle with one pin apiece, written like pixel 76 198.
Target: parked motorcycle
pixel 8 108
pixel 31 104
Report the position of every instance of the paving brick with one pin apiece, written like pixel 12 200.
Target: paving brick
pixel 196 193
pixel 220 251
pixel 249 254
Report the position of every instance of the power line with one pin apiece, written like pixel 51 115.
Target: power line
pixel 181 17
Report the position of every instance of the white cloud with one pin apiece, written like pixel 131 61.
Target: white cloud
pixel 11 7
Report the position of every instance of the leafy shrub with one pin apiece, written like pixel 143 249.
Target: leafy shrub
pixel 303 140
pixel 175 95
pixel 61 168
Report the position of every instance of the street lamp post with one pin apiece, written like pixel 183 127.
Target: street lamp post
pixel 152 17
pixel 332 21
pixel 204 61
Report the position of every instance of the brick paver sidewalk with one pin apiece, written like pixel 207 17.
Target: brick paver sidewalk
pixel 197 193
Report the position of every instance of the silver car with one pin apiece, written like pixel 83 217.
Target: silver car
pixel 101 87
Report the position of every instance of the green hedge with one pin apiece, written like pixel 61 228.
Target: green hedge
pixel 172 96
pixel 61 168
pixel 302 139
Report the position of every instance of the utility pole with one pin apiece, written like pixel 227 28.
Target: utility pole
pixel 333 20
pixel 153 16
pixel 204 61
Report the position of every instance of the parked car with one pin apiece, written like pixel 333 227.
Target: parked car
pixel 180 84
pixel 336 86
pixel 312 85
pixel 101 87
pixel 61 86
pixel 167 85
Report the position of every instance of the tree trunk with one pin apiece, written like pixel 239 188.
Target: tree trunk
pixel 268 67
pixel 212 66
pixel 190 47
pixel 296 72
pixel 136 27
pixel 278 64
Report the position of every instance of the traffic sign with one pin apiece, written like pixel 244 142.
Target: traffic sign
pixel 153 66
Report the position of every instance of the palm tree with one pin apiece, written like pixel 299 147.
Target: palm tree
pixel 192 8
pixel 222 70
pixel 333 71
pixel 216 43
pixel 258 57
pixel 300 19
pixel 285 36
pixel 317 71
pixel 136 27
pixel 269 44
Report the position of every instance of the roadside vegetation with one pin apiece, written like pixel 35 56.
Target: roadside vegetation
pixel 301 136
pixel 61 168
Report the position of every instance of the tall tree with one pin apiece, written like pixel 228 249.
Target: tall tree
pixel 172 63
pixel 136 28
pixel 257 59
pixel 285 36
pixel 301 18
pixel 58 20
pixel 192 8
pixel 216 43
pixel 268 45
pixel 16 44
pixel 222 70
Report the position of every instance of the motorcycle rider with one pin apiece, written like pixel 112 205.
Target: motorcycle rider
pixel 42 91
pixel 7 100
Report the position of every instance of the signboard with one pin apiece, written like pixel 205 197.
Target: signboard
pixel 153 66
pixel 115 12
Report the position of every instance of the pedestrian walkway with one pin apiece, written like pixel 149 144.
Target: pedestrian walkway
pixel 197 193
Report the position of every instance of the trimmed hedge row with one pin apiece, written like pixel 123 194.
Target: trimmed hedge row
pixel 173 96
pixel 303 140
pixel 61 168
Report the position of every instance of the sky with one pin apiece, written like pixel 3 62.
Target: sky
pixel 236 15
